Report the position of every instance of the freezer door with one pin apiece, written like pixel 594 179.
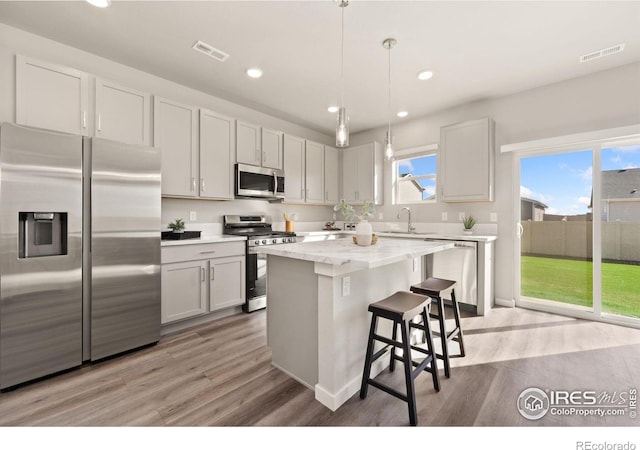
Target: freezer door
pixel 40 293
pixel 125 247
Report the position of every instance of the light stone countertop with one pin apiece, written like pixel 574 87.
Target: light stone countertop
pixel 202 240
pixel 417 235
pixel 344 251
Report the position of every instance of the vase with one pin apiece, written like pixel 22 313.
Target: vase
pixel 364 231
pixel 178 231
pixel 467 232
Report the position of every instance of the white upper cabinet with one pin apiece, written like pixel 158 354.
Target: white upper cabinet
pixel 217 141
pixel 272 151
pixel 122 114
pixel 51 96
pixel 248 145
pixel 259 146
pixel 174 132
pixel 314 173
pixel 466 161
pixel 331 175
pixel 362 173
pixel 294 169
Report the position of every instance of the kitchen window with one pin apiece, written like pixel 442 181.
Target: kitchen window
pixel 415 175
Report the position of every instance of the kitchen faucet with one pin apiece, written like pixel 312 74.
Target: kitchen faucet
pixel 410 229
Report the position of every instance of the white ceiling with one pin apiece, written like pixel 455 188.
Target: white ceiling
pixel 477 49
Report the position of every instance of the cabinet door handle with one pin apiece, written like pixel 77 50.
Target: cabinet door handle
pixel 207 252
pixel 326 195
pixel 257 155
pixel 84 119
pixel 264 157
pixel 202 186
pixel 193 184
pixel 99 122
pixel 213 273
pixel 202 274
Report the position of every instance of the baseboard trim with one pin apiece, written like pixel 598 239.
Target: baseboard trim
pixel 334 401
pixel 505 302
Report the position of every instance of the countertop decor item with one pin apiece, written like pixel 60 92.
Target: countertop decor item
pixel 364 231
pixel 374 239
pixel 468 223
pixel 173 236
pixel 177 226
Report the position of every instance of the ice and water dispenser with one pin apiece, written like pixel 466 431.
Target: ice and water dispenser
pixel 42 234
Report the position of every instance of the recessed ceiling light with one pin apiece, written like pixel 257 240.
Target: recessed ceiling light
pixel 100 3
pixel 254 72
pixel 425 75
pixel 333 109
pixel 402 114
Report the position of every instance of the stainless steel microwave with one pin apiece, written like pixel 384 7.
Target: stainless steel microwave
pixel 260 182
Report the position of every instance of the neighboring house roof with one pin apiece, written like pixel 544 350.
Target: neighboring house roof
pixel 415 183
pixel 535 202
pixel 619 184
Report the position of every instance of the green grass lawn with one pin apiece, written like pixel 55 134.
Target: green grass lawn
pixel 570 281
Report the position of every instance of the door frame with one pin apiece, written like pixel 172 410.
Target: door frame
pixel 593 141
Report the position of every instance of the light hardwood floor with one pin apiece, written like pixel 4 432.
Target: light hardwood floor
pixel 219 374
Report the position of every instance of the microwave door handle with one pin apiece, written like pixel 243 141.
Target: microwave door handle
pixel 275 185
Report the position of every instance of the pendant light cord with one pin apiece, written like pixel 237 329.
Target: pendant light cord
pixel 390 90
pixel 342 60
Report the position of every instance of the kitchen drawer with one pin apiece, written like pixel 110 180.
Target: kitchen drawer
pixel 192 252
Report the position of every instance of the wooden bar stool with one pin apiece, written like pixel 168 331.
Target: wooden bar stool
pixel 433 287
pixel 401 308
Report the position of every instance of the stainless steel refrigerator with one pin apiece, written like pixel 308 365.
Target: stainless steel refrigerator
pixel 79 250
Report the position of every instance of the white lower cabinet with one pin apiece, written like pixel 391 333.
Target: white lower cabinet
pixel 224 288
pixel 184 290
pixel 201 278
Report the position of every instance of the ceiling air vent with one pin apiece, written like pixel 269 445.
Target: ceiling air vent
pixel 603 52
pixel 208 50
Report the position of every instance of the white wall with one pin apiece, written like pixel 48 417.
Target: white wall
pixel 602 100
pixel 13 40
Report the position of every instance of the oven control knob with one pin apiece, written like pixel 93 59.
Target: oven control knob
pixel 256 242
pixel 264 241
pixel 274 241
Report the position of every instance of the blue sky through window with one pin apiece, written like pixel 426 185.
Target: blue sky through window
pixel 563 181
pixel 421 165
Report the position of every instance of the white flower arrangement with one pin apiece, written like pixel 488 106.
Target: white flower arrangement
pixel 349 213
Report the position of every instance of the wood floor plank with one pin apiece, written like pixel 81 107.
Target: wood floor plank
pixel 220 374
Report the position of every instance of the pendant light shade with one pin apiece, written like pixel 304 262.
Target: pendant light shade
pixel 342 127
pixel 388 141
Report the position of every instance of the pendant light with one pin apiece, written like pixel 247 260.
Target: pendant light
pixel 388 141
pixel 342 128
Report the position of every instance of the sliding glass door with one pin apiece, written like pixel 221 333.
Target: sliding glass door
pixel 579 231
pixel 556 259
pixel 620 230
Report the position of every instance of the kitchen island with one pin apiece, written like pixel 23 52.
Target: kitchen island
pixel 318 294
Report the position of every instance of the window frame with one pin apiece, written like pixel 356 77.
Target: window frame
pixel 409 153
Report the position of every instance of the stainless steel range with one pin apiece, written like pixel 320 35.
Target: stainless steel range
pixel 258 232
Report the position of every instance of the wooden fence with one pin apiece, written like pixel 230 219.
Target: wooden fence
pixel 573 239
